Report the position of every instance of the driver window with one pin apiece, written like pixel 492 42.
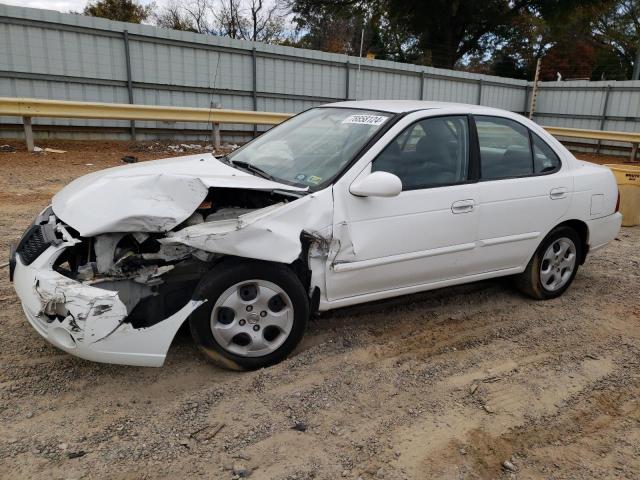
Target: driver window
pixel 429 153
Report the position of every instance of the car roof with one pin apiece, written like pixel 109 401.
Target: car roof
pixel 401 106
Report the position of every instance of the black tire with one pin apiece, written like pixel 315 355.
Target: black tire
pixel 529 281
pixel 225 275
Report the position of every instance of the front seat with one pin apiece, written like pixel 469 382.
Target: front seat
pixel 390 161
pixel 436 164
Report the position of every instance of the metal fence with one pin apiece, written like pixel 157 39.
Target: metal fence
pixel 46 54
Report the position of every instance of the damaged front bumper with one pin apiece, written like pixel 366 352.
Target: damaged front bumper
pixel 88 321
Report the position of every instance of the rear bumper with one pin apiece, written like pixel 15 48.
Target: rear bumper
pixel 87 321
pixel 603 230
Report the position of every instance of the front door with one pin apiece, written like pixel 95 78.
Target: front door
pixel 425 234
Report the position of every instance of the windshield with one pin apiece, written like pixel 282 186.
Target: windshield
pixel 312 147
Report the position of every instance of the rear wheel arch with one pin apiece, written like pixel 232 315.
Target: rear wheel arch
pixel 582 229
pixel 550 272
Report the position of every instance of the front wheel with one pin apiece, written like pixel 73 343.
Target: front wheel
pixel 255 315
pixel 553 266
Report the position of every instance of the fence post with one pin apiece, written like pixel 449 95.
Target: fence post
pixel 127 56
pixel 526 100
pixel 636 64
pixel 255 88
pixel 479 101
pixel 534 92
pixel 28 133
pixel 346 90
pixel 603 117
pixel 422 85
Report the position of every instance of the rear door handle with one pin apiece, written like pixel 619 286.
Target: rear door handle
pixel 558 193
pixel 463 206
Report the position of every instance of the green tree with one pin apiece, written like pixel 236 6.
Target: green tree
pixel 328 27
pixel 618 28
pixel 122 10
pixel 336 26
pixel 563 37
pixel 443 33
pixel 446 30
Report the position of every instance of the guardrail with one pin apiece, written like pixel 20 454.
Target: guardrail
pixel 28 108
pixel 625 137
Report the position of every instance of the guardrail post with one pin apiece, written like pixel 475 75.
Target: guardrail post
pixel 215 126
pixel 127 56
pixel 28 133
pixel 603 117
pixel 216 136
pixel 255 88
pixel 346 90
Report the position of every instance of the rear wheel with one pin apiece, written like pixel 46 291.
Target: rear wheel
pixel 553 266
pixel 255 315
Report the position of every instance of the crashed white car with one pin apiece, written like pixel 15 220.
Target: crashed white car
pixel 343 204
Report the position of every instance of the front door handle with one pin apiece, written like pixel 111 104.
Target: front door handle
pixel 558 193
pixel 463 206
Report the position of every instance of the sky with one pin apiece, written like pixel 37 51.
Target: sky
pixel 61 5
pixel 67 6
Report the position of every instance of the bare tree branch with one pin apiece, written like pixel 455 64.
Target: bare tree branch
pixel 198 10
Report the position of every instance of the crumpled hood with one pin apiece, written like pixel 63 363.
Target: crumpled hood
pixel 151 196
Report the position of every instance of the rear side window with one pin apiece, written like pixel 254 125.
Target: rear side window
pixel 545 160
pixel 505 150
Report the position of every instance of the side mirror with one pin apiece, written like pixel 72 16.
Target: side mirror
pixel 377 184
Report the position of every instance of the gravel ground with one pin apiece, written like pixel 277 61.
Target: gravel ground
pixel 467 382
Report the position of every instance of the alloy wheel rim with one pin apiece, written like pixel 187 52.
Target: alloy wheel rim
pixel 558 264
pixel 252 318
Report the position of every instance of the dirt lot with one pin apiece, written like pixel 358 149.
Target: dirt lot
pixel 445 384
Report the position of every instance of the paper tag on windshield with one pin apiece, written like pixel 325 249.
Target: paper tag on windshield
pixel 365 119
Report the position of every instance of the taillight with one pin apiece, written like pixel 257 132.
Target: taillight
pixel 618 203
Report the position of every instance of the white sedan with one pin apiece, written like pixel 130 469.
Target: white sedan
pixel 342 204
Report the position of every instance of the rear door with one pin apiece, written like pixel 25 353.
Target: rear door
pixel 523 192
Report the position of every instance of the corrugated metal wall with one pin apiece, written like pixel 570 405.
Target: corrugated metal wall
pixel 46 54
pixel 591 105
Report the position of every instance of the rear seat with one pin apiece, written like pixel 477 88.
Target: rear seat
pixel 514 162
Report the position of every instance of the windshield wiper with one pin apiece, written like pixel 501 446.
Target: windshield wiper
pixel 261 173
pixel 252 168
